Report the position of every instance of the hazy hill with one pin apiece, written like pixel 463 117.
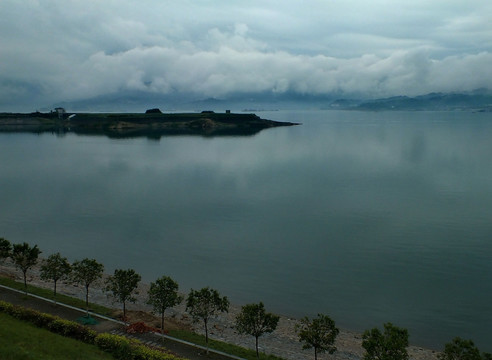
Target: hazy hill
pixel 138 101
pixel 478 100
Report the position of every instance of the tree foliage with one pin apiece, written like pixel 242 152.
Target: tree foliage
pixel 204 304
pixel 55 268
pixel 5 248
pixel 163 294
pixel 25 257
pixel 255 321
pixel 86 272
pixel 390 345
pixel 123 285
pixel 460 349
pixel 319 333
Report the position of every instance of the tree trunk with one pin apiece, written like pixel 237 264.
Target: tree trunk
pixel 25 280
pixel 54 294
pixel 162 321
pixel 87 299
pixel 315 353
pixel 124 311
pixel 206 334
pixel 257 353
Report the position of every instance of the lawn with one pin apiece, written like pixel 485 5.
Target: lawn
pixel 22 341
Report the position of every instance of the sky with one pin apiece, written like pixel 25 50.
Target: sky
pixel 67 50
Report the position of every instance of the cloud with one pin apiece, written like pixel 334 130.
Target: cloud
pixel 233 66
pixel 55 51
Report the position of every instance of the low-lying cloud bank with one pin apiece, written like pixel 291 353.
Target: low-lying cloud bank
pixel 227 71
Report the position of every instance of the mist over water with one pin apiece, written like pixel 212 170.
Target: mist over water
pixel 367 217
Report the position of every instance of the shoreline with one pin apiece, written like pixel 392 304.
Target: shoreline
pixel 282 342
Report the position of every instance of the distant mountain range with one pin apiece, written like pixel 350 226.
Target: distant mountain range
pixel 478 100
pixel 137 101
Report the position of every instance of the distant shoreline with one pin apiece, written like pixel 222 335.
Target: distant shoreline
pixel 124 125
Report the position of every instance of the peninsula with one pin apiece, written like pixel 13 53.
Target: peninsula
pixel 152 124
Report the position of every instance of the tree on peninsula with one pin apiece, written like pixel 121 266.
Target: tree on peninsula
pixel 255 321
pixel 204 304
pixel 163 294
pixel 390 345
pixel 25 257
pixel 319 333
pixel 460 349
pixel 5 248
pixel 123 285
pixel 55 268
pixel 86 272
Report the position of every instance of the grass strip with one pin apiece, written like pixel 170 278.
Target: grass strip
pixel 20 340
pixel 60 298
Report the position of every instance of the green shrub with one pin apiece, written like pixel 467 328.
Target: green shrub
pixel 142 352
pixel 50 322
pixel 5 307
pixel 73 330
pixel 118 346
pixel 124 349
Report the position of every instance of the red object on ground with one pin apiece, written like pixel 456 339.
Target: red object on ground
pixel 140 327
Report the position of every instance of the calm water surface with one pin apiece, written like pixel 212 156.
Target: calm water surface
pixel 367 217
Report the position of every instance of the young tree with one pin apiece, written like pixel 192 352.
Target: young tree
pixel 319 333
pixel 86 272
pixel 55 268
pixel 5 248
pixel 123 285
pixel 255 321
pixel 163 294
pixel 25 257
pixel 460 349
pixel 204 304
pixel 390 345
